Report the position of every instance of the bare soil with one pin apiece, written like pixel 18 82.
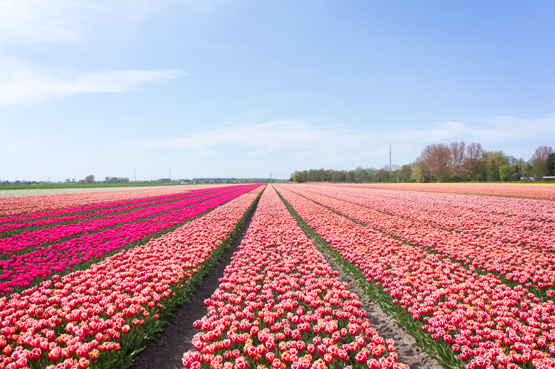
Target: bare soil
pixel 383 323
pixel 170 345
pixel 167 350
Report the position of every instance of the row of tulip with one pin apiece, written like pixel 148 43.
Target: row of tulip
pixel 528 223
pixel 461 316
pixel 28 216
pixel 531 268
pixel 28 241
pixel 20 271
pixel 18 205
pixel 280 305
pixel 527 191
pixel 98 317
pixel 64 216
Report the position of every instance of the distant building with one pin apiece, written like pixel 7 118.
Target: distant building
pixel 214 180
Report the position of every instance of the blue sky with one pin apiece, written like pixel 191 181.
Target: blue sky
pixel 245 88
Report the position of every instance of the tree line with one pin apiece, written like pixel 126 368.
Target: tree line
pixel 455 162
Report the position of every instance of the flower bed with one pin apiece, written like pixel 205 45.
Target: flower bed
pixel 514 263
pixel 100 317
pixel 20 271
pixel 65 216
pixel 18 205
pixel 463 318
pixel 280 305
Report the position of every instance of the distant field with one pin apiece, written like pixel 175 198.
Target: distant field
pixel 472 278
pixel 51 189
pixel 84 185
pixel 540 191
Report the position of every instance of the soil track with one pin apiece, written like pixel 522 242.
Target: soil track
pixel 382 322
pixel 170 345
pixel 166 352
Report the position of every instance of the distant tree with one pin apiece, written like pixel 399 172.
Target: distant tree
pixel 405 173
pixel 457 158
pixel 474 160
pixel 494 161
pixel 299 177
pixel 551 164
pixel 89 179
pixel 436 158
pixel 539 161
pixel 542 152
pixel 504 172
pixel 515 171
pixel 338 176
pixel 381 175
pixel 526 169
pixel 418 172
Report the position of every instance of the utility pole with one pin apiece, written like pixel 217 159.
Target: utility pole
pixel 135 175
pixel 390 160
pixel 170 174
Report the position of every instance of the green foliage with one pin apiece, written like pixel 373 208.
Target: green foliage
pixel 418 173
pixel 494 161
pixel 42 186
pixel 551 164
pixel 445 163
pixel 504 172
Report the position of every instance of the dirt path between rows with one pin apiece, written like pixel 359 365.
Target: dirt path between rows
pixel 168 349
pixel 166 352
pixel 383 323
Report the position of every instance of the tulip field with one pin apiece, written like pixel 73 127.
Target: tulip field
pixel 471 277
pixel 88 280
pixel 281 305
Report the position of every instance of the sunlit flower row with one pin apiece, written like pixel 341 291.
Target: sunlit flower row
pixel 63 216
pixel 21 270
pixel 62 232
pixel 96 317
pixel 526 223
pixel 530 267
pixel 485 322
pixel 18 205
pixel 528 191
pixel 280 305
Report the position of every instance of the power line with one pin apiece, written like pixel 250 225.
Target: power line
pixel 390 159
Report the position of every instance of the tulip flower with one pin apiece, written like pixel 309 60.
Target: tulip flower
pixel 280 291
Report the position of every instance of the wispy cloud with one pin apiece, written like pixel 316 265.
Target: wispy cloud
pixel 269 136
pixel 36 22
pixel 40 22
pixel 24 24
pixel 505 128
pixel 38 87
pixel 315 144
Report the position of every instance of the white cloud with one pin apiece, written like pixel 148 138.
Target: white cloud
pixel 267 137
pixel 24 24
pixel 33 87
pixel 438 132
pixel 508 129
pixel 313 144
pixel 35 22
pixel 304 143
pixel 46 21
